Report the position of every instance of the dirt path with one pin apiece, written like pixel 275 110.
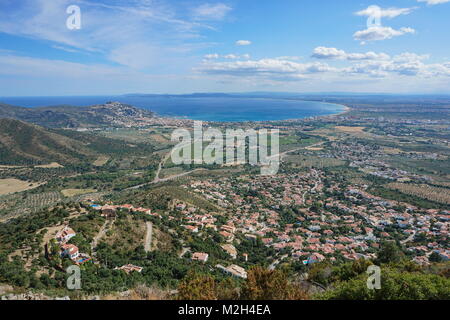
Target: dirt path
pixel 284 154
pixel 148 237
pixel 99 235
pixel 183 252
pixel 163 161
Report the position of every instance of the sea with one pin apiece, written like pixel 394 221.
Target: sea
pixel 205 108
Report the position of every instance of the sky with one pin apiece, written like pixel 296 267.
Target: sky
pixel 109 47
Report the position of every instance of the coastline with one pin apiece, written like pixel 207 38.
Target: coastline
pixel 347 109
pixel 334 109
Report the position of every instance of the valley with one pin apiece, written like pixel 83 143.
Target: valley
pixel 365 186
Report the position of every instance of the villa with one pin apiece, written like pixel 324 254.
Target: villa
pixel 65 234
pixel 69 250
pixel 200 256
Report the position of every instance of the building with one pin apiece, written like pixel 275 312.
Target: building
pixel 142 210
pixel 128 268
pixel 128 207
pixel 65 234
pixel 200 256
pixel 234 270
pixel 109 211
pixel 230 249
pixel 69 250
pixel 315 257
pixel 193 229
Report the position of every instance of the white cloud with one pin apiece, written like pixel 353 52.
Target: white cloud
pixel 108 29
pixel 44 76
pixel 21 75
pixel 64 48
pixel 43 68
pixel 292 58
pixel 265 68
pixel 328 53
pixel 408 56
pixel 369 65
pixel 384 13
pixel 433 2
pixel 230 56
pixel 367 56
pixel 243 42
pixel 209 11
pixel 211 56
pixel 405 64
pixel 333 53
pixel 380 33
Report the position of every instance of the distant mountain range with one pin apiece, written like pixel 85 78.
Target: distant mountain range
pixel 108 114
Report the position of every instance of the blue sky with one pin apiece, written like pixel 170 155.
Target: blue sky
pixel 182 46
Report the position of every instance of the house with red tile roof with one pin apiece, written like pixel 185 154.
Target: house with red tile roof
pixel 69 250
pixel 200 256
pixel 65 234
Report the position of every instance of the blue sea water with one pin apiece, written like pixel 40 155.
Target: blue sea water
pixel 223 109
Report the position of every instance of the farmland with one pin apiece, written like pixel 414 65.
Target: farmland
pixel 8 186
pixel 441 195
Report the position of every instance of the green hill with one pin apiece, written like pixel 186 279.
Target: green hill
pixel 25 144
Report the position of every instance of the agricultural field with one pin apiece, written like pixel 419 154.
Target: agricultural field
pixel 350 129
pixel 50 166
pixel 159 138
pixel 305 161
pixel 101 161
pixel 76 192
pixel 170 172
pixel 40 200
pixel 8 186
pixel 441 195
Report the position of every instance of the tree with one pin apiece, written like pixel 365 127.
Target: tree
pixel 389 253
pixel 350 270
pixel 197 287
pixel 263 284
pixel 395 285
pixel 435 257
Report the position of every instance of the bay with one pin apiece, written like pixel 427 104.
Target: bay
pixel 220 108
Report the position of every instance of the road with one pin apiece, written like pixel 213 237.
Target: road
pixel 277 262
pixel 283 154
pixel 148 237
pixel 183 252
pixel 157 179
pixel 410 238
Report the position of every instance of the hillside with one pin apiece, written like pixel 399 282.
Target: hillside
pixel 108 114
pixel 22 144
